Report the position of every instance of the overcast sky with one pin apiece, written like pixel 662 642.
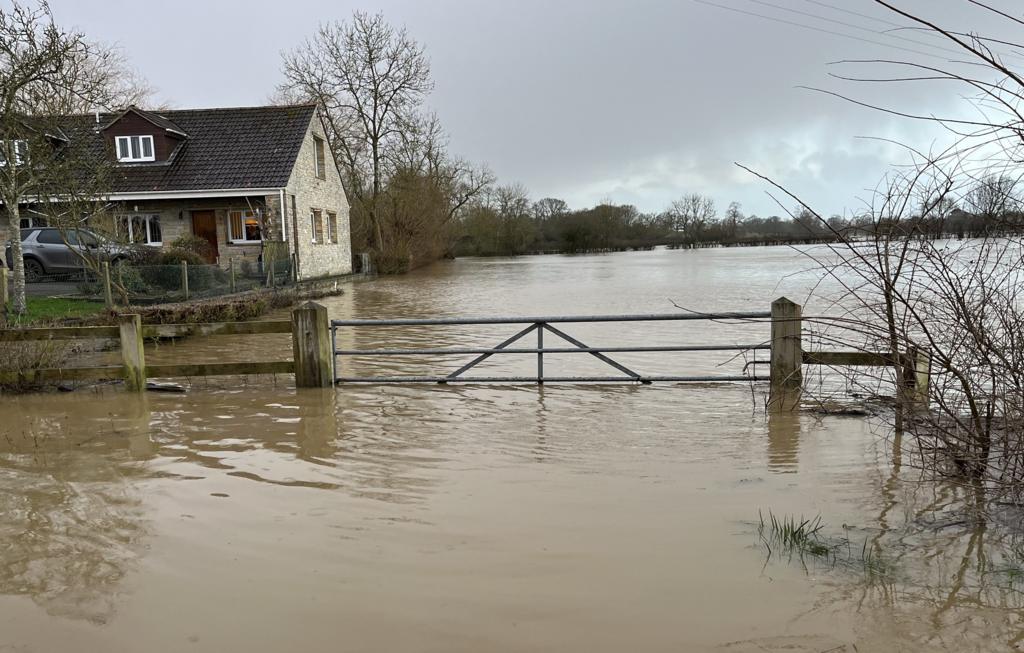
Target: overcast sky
pixel 634 101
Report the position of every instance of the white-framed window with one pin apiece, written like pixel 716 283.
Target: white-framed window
pixel 135 148
pixel 319 158
pixel 316 225
pixel 28 223
pixel 244 227
pixel 142 229
pixel 332 227
pixel 20 152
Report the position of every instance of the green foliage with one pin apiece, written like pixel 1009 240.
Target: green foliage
pixel 161 273
pixel 194 244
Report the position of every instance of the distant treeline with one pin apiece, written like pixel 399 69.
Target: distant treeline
pixel 505 222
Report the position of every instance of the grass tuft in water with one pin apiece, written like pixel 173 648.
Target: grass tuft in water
pixel 806 539
pixel 791 534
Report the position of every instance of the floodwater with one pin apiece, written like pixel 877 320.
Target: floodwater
pixel 246 515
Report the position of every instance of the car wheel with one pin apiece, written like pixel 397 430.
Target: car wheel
pixel 33 270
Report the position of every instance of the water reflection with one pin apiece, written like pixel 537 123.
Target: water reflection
pixel 72 522
pixel 473 518
pixel 783 441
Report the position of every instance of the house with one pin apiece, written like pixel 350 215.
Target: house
pixel 240 178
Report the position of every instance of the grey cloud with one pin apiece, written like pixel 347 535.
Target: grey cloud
pixel 634 101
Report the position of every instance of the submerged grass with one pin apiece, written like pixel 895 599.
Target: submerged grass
pixel 806 539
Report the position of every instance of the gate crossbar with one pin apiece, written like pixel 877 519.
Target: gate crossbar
pixel 539 325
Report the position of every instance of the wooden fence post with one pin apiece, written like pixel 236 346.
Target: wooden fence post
pixel 132 353
pixel 108 295
pixel 295 268
pixel 311 346
pixel 787 354
pixel 270 275
pixel 184 279
pixel 231 273
pixel 917 366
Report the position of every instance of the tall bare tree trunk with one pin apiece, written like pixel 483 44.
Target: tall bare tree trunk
pixel 14 225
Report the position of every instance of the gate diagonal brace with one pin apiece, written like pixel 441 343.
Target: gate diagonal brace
pixel 482 357
pixel 573 341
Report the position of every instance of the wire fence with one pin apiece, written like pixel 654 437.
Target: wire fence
pixel 159 284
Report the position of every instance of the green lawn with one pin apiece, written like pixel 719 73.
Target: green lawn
pixel 51 309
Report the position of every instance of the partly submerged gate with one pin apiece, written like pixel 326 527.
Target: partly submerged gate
pixel 539 326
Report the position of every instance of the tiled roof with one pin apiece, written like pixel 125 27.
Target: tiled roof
pixel 250 147
pixel 156 119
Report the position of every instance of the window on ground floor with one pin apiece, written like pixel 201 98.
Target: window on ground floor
pixel 244 227
pixel 143 229
pixel 332 227
pixel 316 225
pixel 28 223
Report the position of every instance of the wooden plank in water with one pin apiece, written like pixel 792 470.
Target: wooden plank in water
pixel 216 328
pixel 50 375
pixel 59 333
pixel 219 369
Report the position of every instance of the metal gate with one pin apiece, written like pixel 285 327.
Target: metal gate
pixel 540 326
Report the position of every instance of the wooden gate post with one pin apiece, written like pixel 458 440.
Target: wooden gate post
pixel 311 346
pixel 787 354
pixel 132 353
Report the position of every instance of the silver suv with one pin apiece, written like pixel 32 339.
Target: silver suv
pixel 46 252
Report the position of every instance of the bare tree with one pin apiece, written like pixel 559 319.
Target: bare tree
pixel 371 79
pixel 44 71
pixel 733 217
pixel 549 208
pixel 993 198
pixel 691 214
pixel 960 303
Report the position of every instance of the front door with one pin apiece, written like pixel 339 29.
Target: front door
pixel 204 225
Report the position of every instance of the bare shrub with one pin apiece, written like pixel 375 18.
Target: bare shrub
pixel 19 361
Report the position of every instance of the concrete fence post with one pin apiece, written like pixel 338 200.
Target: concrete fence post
pixel 231 273
pixel 917 364
pixel 787 354
pixel 108 295
pixel 132 353
pixel 311 346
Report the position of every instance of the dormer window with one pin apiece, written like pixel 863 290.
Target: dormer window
pixel 20 152
pixel 133 149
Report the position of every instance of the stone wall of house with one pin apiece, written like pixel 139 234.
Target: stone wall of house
pixel 327 195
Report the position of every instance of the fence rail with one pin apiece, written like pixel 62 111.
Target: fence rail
pixel 540 325
pixel 308 328
pixel 315 351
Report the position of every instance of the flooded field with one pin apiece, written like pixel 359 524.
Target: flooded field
pixel 245 515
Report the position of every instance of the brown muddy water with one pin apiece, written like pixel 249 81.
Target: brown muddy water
pixel 247 516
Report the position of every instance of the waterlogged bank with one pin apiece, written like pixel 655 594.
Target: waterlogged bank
pixel 249 516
